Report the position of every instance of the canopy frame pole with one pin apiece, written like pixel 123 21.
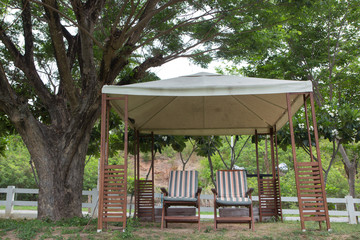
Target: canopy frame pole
pixel 278 174
pixel 309 136
pixel 104 155
pixel 311 191
pixel 126 145
pixel 274 177
pixel 135 171
pixel 308 129
pixel 153 174
pixel 293 148
pixel 316 136
pixel 258 172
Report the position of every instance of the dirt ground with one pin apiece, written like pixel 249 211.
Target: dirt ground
pixel 31 229
pixel 163 165
pixel 236 231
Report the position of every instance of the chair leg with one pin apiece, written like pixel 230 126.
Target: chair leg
pixel 252 217
pixel 199 213
pixel 166 223
pixel 162 216
pixel 249 216
pixel 215 216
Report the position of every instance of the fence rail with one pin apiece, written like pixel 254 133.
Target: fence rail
pixel 10 201
pixel 348 215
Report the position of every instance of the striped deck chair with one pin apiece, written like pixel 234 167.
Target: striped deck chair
pixel 183 191
pixel 231 190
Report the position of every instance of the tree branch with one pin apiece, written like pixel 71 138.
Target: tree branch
pixel 55 28
pixel 332 159
pixel 7 95
pixel 222 159
pixel 28 68
pixel 70 20
pixel 242 148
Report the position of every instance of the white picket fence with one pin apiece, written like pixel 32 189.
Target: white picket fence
pixel 348 215
pixel 10 202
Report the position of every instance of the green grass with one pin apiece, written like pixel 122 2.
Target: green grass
pixel 77 228
pixel 31 208
pixel 20 208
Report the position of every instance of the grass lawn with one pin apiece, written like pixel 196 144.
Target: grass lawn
pixel 77 228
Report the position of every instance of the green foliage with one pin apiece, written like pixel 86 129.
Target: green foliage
pixel 6 128
pixel 91 173
pixel 15 169
pixel 336 186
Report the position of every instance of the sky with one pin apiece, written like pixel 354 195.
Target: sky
pixel 181 67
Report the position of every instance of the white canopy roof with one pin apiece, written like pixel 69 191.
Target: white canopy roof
pixel 208 104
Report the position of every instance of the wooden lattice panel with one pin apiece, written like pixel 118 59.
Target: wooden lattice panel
pixel 269 197
pixel 145 199
pixel 311 198
pixel 114 194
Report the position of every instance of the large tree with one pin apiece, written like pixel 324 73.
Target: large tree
pixel 56 55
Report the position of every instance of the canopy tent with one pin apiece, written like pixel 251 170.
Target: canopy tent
pixel 210 104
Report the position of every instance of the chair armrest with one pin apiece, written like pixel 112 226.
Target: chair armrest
pixel 248 193
pixel 163 190
pixel 199 191
pixel 214 191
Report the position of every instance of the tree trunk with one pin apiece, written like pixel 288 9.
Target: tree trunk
pixel 58 152
pixel 60 190
pixel 350 168
pixel 351 181
pixel 60 171
pixel 211 171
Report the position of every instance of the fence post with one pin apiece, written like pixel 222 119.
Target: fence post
pixel 94 202
pixel 350 209
pixel 9 203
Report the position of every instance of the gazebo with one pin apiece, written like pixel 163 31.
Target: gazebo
pixel 210 104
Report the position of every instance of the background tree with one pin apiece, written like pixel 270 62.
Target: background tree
pixel 320 44
pixel 188 151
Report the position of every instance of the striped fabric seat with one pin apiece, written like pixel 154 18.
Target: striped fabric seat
pixel 183 186
pixel 232 188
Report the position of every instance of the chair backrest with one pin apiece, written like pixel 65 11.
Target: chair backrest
pixel 183 184
pixel 231 184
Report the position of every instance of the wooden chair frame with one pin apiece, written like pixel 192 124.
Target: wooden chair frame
pixel 180 219
pixel 218 219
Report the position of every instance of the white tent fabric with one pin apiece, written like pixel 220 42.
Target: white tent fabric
pixel 208 104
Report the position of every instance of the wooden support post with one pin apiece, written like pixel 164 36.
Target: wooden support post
pixel 126 144
pixel 258 172
pixel 138 171
pixel 107 178
pixel 316 136
pixel 273 170
pixel 103 154
pixel 152 175
pixel 293 146
pixel 278 175
pixel 135 179
pixel 309 137
pixel 308 129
